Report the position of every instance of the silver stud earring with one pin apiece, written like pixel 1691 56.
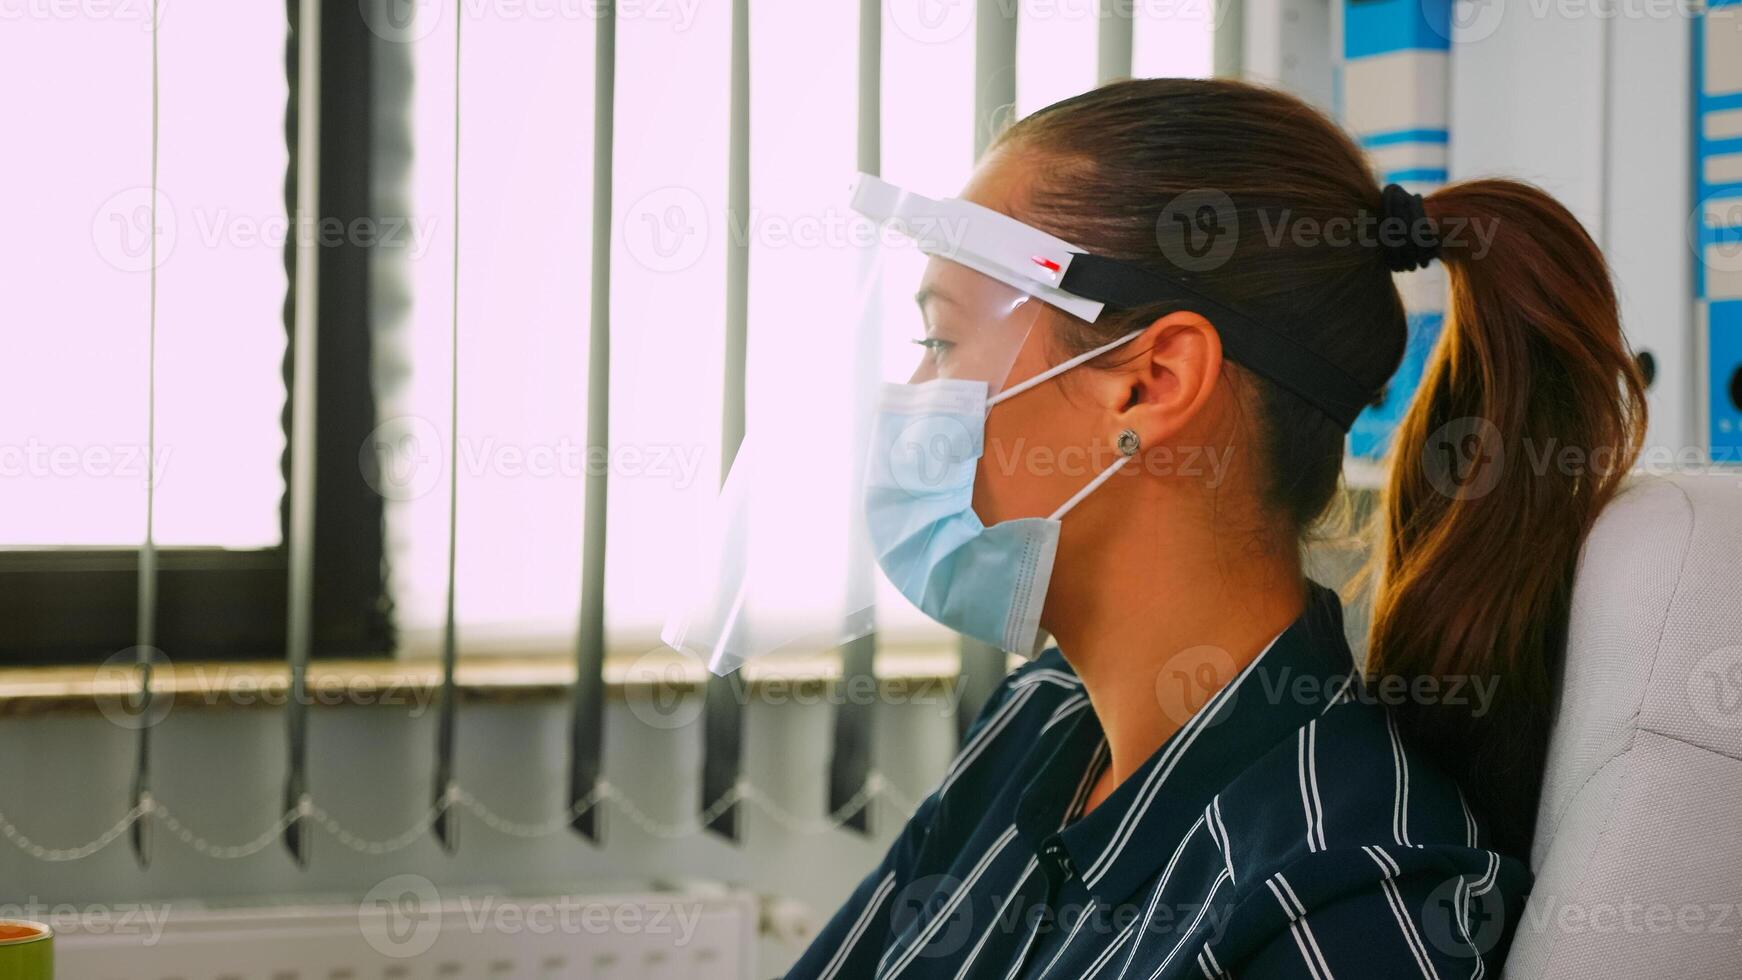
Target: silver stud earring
pixel 1128 443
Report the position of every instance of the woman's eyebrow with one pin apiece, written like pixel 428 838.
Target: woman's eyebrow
pixel 928 293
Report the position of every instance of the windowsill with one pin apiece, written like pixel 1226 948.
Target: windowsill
pixel 904 672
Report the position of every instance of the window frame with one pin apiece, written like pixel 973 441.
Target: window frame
pixel 67 606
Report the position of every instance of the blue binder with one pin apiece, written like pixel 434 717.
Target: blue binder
pixel 1716 225
pixel 1391 92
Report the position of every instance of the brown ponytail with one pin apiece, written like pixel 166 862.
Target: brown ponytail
pixel 1529 415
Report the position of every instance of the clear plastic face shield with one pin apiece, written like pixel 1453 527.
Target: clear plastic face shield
pixel 868 482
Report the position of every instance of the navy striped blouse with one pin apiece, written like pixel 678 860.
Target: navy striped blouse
pixel 1284 831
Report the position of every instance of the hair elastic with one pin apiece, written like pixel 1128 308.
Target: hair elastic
pixel 1420 242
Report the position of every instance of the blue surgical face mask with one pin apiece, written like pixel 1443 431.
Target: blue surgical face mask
pixel 989 583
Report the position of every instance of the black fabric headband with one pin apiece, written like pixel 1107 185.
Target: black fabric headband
pixel 1248 342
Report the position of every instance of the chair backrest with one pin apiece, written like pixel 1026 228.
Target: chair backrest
pixel 1638 851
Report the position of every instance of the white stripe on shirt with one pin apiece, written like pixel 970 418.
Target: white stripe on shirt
pixel 1161 886
pixel 1400 912
pixel 1469 818
pixel 1342 694
pixel 1203 908
pixel 1142 925
pixel 857 933
pixel 1222 834
pixel 1069 707
pixel 1082 918
pixel 997 919
pixel 1400 784
pixel 1106 955
pixel 1311 805
pixel 985 736
pixel 1461 895
pixel 1210 955
pixel 1302 929
pixel 1171 754
pixel 1021 689
pixel 1386 864
pixel 962 891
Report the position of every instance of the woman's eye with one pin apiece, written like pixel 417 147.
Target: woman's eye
pixel 934 345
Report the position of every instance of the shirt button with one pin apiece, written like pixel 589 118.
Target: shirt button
pixel 1056 853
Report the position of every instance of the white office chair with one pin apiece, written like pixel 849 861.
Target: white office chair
pixel 1638 850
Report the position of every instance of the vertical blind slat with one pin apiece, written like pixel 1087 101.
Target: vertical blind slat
pixel 1113 41
pixel 982 665
pixel 587 715
pixel 994 69
pixel 850 761
pixel 446 824
pixel 855 719
pixel 299 538
pixel 1228 39
pixel 145 640
pixel 723 717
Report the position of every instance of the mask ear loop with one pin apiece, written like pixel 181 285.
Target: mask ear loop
pixel 1127 450
pixel 1127 439
pixel 1060 368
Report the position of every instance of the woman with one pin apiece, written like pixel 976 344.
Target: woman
pixel 1198 780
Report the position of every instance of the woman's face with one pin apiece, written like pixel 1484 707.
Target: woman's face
pixel 973 325
pixel 1043 444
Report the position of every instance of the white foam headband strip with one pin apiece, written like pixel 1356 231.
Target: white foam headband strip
pixel 987 241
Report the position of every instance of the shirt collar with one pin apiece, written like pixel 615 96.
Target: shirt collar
pixel 1131 836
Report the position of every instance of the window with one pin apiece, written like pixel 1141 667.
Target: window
pixel 77 190
pixel 76 452
pixel 75 297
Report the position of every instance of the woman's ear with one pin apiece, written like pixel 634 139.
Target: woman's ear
pixel 1174 369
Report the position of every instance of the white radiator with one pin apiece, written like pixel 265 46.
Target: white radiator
pixel 404 930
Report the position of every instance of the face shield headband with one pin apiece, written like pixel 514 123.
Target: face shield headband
pixel 1086 285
